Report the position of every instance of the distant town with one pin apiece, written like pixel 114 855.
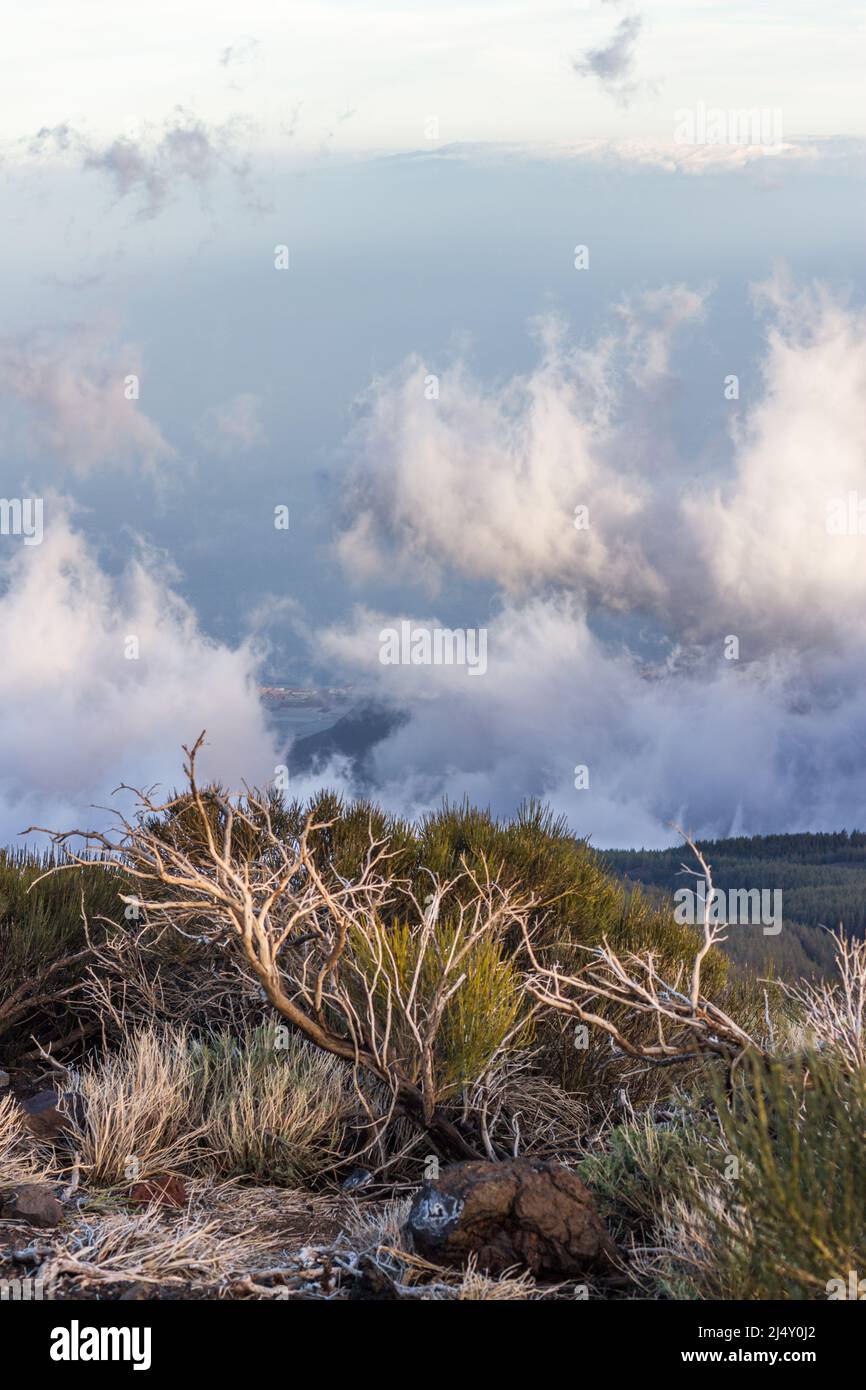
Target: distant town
pixel 304 697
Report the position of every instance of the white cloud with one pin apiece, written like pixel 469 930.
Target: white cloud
pixel 482 484
pixel 720 747
pixel 485 482
pixel 488 482
pixel 65 392
pixel 79 716
pixel 763 538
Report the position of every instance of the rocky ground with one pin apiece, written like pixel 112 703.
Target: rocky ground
pixel 520 1229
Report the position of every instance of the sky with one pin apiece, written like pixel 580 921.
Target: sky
pixel 428 280
pixel 359 77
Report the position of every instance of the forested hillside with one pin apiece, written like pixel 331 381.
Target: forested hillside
pixel 822 878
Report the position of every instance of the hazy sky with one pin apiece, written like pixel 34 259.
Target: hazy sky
pixel 361 77
pixel 431 171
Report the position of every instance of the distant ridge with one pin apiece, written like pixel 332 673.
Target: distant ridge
pixel 822 876
pixel 353 736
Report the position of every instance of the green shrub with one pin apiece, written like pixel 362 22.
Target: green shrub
pixel 630 1173
pixel 576 905
pixel 759 1197
pixel 478 1018
pixel 40 924
pixel 795 1217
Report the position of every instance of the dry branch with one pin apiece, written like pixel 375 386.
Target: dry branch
pixel 687 1025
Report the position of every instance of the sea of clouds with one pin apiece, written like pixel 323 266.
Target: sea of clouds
pixel 485 483
pixel 479 484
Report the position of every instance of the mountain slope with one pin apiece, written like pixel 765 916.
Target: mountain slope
pixel 822 879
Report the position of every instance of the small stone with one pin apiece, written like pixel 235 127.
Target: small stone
pixel 4 1079
pixel 164 1189
pixel 44 1117
pixel 33 1202
pixel 359 1177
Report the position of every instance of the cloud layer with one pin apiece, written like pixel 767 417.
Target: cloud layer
pixel 103 679
pixel 725 748
pixel 485 484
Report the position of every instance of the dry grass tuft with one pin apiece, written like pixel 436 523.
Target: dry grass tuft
pixel 140 1110
pixel 21 1159
pixel 477 1287
pixel 150 1248
pixel 274 1106
pixel 260 1106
